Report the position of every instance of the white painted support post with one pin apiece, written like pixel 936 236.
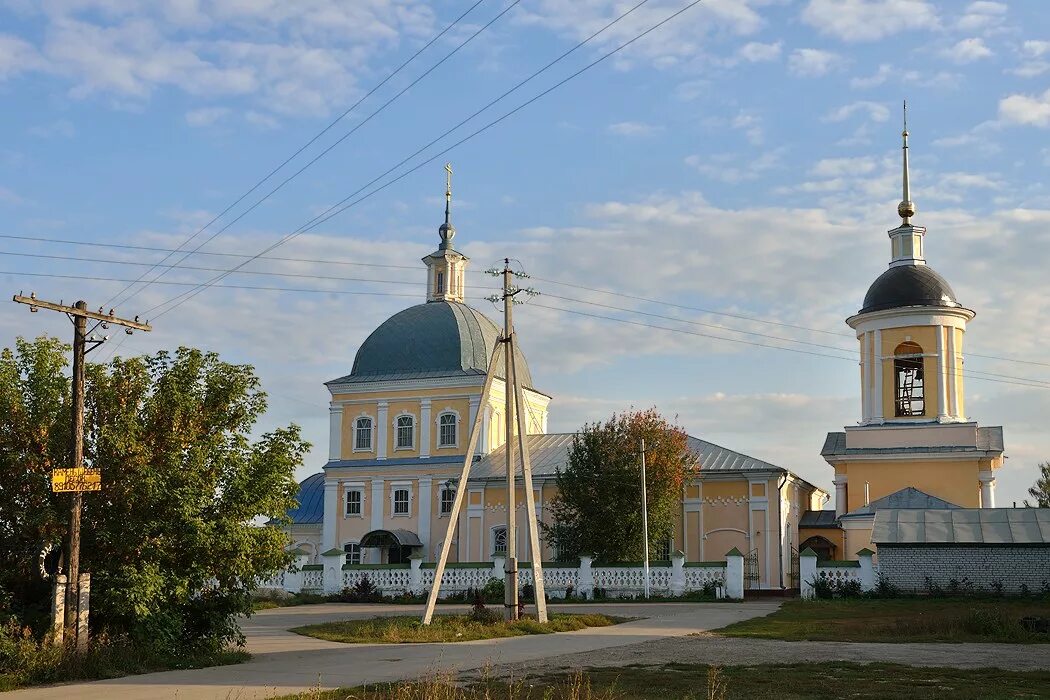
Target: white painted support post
pixel 585 579
pixel 734 574
pixel 331 513
pixel 293 578
pixel 678 573
pixel 867 570
pixel 58 609
pixel 807 572
pixel 415 574
pixel 83 607
pixel 333 570
pixel 499 565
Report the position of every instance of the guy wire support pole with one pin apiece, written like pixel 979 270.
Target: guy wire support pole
pixel 79 315
pixel 461 493
pixel 645 525
pixel 510 587
pixel 530 499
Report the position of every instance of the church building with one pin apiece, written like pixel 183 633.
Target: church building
pixel 914 446
pixel 398 433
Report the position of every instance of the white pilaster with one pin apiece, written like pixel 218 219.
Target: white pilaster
pixel 475 403
pixel 876 356
pixel 987 489
pixel 840 494
pixel 425 496
pixel 382 430
pixel 378 505
pixel 955 409
pixel 865 378
pixel 942 377
pixel 483 438
pixel 331 514
pixel 335 432
pixel 424 428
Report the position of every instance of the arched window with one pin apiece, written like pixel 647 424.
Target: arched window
pixel 405 433
pixel 447 430
pixel 499 540
pixel 448 497
pixel 363 434
pixel 908 380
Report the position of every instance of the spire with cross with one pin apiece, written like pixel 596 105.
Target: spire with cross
pixel 445 266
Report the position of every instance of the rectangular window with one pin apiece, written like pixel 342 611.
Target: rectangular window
pixel 441 283
pixel 353 552
pixel 363 434
pixel 405 439
pixel 448 497
pixel 353 503
pixel 401 502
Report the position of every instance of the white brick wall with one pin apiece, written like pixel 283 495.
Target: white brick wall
pixel 1012 566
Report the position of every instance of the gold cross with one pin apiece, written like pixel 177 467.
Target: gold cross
pixel 448 180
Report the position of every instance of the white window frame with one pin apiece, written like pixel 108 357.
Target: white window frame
pixel 349 555
pixel 371 433
pixel 397 432
pixel 441 444
pixel 394 488
pixel 360 491
pixel 493 541
pixel 441 501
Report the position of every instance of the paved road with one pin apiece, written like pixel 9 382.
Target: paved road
pixel 284 662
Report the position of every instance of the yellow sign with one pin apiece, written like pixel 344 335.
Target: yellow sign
pixel 71 480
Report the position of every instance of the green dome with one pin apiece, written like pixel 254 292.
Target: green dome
pixel 436 339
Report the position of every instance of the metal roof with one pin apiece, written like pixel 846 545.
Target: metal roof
pixel 311 501
pixel 908 497
pixel 1023 526
pixel 550 453
pixel 818 519
pixel 435 339
pixel 909 285
pixel 387 538
pixel 989 439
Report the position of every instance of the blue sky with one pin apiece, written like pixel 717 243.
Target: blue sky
pixel 743 159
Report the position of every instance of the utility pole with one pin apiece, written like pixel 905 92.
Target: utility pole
pixel 510 587
pixel 76 478
pixel 645 525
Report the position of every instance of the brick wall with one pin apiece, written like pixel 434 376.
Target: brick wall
pixel 907 567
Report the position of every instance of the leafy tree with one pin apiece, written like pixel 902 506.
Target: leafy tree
pixel 598 507
pixel 1041 490
pixel 172 541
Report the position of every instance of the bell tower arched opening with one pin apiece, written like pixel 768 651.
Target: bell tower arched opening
pixel 909 380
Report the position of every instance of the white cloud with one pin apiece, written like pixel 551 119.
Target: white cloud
pixel 632 129
pixel 1035 48
pixel 836 167
pixel 206 116
pixel 1032 62
pixel 868 20
pixel 968 51
pixel 878 78
pixel 756 52
pixel 16 56
pixel 809 63
pixel 981 16
pixel 1031 110
pixel 875 111
pixel 61 128
pixel 751 125
pixel 728 167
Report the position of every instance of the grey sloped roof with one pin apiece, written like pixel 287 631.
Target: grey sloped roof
pixel 550 453
pixel 1026 526
pixel 909 497
pixel 436 339
pixel 989 439
pixel 909 285
pixel 311 501
pixel 818 518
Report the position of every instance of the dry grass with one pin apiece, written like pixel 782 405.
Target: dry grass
pixel 899 620
pixel 446 628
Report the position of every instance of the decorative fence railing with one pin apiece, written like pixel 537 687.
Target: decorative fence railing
pixel 722 578
pixel 836 574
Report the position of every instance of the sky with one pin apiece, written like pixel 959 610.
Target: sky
pixel 738 167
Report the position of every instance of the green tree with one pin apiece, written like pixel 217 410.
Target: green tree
pixel 598 508
pixel 1041 490
pixel 173 540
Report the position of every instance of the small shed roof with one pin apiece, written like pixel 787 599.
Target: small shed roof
pixel 1026 526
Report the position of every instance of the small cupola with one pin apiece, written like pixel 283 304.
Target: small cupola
pixel 446 266
pixel 907 239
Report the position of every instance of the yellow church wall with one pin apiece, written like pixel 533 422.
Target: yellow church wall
pixel 953 480
pixel 725 489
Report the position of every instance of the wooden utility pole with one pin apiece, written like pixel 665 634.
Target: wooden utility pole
pixel 645 524
pixel 76 478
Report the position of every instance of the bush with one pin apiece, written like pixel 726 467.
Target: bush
pixel 364 591
pixel 826 588
pixel 494 591
pixel 478 611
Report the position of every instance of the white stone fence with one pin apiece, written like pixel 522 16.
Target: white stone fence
pixel 672 578
pixel 835 572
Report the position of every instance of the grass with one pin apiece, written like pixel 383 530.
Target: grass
pixel 824 681
pixel 446 628
pixel 898 620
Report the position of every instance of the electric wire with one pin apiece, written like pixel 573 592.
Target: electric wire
pixel 329 214
pixel 349 133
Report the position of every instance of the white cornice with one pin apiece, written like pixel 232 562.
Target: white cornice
pixel 955 317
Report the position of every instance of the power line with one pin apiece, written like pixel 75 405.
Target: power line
pixel 325 216
pixel 342 138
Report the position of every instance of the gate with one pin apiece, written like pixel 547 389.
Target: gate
pixel 751 573
pixel 796 574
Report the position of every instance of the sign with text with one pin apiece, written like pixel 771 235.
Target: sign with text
pixel 72 480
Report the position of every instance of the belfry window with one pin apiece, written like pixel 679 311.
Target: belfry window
pixel 440 283
pixel 447 430
pixel 363 434
pixel 405 438
pixel 909 381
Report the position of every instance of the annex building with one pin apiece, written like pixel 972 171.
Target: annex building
pixel 398 424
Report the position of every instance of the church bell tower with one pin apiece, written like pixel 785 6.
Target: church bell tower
pixel 446 266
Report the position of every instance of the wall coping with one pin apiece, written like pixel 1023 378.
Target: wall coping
pixel 705 564
pixel 832 564
pixel 373 567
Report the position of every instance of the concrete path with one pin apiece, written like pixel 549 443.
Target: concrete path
pixel 284 662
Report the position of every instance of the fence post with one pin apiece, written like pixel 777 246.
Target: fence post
pixel 333 570
pixel 84 606
pixel 734 574
pixel 293 577
pixel 867 570
pixel 678 573
pixel 415 574
pixel 58 609
pixel 807 572
pixel 499 563
pixel 585 577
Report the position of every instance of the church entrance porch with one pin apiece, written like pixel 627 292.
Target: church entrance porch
pixel 395 546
